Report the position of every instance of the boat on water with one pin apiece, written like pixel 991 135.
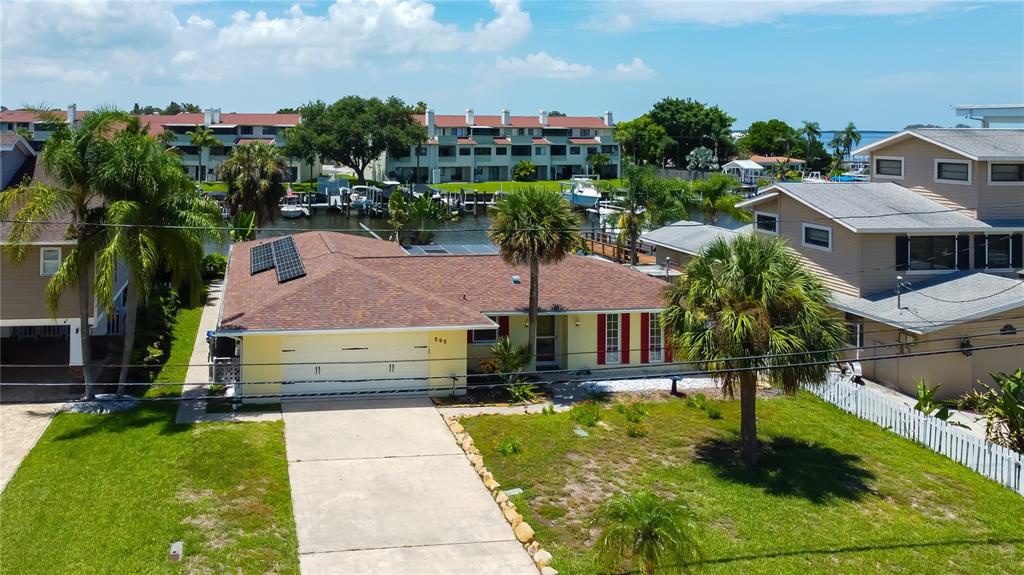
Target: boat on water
pixel 581 191
pixel 363 198
pixel 815 178
pixel 292 207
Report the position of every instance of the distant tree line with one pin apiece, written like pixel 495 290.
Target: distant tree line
pixel 170 110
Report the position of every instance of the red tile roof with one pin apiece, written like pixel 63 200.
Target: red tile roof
pixel 353 282
pixel 541 142
pixel 23 116
pixel 583 141
pixel 267 140
pixel 466 141
pixel 502 141
pixel 459 121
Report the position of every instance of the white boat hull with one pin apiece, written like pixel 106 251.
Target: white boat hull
pixel 582 199
pixel 292 212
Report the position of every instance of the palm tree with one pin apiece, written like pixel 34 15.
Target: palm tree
pixel 811 131
pixel 716 196
pixel 752 309
pixel 68 158
pixel 646 201
pixel 202 138
pixel 650 532
pixel 844 142
pixel 255 174
pixel 597 161
pixel 534 226
pixel 161 220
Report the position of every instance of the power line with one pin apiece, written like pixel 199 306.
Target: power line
pixel 605 368
pixel 401 393
pixel 427 229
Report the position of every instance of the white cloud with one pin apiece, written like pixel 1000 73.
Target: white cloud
pixel 543 65
pixel 197 21
pixel 45 71
pixel 185 56
pixel 635 70
pixel 621 14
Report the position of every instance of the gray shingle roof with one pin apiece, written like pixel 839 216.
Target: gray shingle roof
pixel 939 303
pixel 686 236
pixel 975 143
pixel 874 207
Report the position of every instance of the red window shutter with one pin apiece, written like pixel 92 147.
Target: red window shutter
pixel 645 337
pixel 469 336
pixel 667 349
pixel 503 326
pixel 600 339
pixel 624 326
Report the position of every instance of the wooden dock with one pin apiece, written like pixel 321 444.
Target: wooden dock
pixel 606 245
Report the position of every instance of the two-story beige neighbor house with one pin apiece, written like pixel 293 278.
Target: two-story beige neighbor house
pixel 925 257
pixel 329 312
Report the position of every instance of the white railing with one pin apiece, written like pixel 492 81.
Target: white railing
pixel 996 462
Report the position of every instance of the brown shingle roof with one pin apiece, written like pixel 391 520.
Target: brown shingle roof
pixel 354 282
pixel 53 232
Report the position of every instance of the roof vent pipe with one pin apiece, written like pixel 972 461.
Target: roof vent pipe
pixel 505 118
pixel 469 116
pixel 542 117
pixel 72 113
pixel 208 116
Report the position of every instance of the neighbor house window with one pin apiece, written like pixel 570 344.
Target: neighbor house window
pixel 540 151
pixel 246 130
pixel 1006 173
pixel 481 151
pixel 49 261
pixel 998 250
pixel 655 339
pixel 819 237
pixel 611 338
pixel 953 171
pixel 931 253
pixel 463 151
pixel 501 151
pixel 767 223
pixel 574 150
pixel 889 167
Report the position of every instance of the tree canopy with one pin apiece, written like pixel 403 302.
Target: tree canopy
pixel 643 141
pixel 355 131
pixel 768 138
pixel 690 124
pixel 172 108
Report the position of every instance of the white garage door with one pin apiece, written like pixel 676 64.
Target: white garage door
pixel 329 364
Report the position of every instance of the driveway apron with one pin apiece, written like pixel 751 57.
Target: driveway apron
pixel 379 486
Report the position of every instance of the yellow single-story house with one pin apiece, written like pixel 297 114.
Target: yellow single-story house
pixel 334 313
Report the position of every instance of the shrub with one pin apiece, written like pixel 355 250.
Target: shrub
pixel 714 412
pixel 1003 409
pixel 698 400
pixel 586 413
pixel 489 365
pixel 548 410
pixel 634 412
pixel 508 446
pixel 510 358
pixel 636 429
pixel 524 171
pixel 214 266
pixel 522 392
pixel 646 532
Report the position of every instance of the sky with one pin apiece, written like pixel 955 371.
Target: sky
pixel 879 64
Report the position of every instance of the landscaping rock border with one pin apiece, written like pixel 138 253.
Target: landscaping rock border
pixel 521 529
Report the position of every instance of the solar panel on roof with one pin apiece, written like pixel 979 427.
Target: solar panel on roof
pixel 286 260
pixel 261 258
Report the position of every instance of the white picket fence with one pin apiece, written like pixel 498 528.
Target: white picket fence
pixel 993 461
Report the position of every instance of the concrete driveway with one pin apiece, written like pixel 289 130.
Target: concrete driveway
pixel 379 486
pixel 21 425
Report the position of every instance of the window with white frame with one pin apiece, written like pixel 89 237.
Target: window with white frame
pixel 1006 174
pixel 611 338
pixel 888 167
pixel 818 237
pixel 953 171
pixel 486 335
pixel 766 222
pixel 49 261
pixel 655 339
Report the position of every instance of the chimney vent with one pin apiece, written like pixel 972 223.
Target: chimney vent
pixel 505 118
pixel 608 119
pixel 72 113
pixel 543 118
pixel 208 116
pixel 469 116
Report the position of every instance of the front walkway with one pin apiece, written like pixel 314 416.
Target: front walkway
pixel 21 425
pixel 380 486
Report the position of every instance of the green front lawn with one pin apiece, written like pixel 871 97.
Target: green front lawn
pixel 833 494
pixel 110 493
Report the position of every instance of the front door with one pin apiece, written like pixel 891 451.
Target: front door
pixel 546 341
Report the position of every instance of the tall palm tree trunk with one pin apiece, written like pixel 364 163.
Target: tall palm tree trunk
pixel 748 417
pixel 132 312
pixel 534 304
pixel 634 239
pixel 83 320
